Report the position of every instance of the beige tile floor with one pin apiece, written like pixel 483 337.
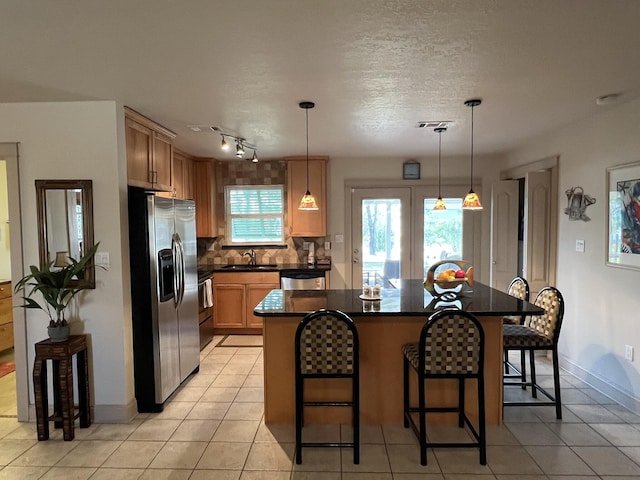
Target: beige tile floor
pixel 213 428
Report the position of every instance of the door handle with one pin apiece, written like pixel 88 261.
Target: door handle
pixel 356 261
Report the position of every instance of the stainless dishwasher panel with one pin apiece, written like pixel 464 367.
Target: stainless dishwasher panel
pixel 303 281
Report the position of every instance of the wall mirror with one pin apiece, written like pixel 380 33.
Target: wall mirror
pixel 65 223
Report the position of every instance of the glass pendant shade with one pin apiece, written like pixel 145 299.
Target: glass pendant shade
pixel 472 200
pixel 308 202
pixel 439 205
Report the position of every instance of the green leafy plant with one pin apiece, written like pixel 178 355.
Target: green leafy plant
pixel 54 286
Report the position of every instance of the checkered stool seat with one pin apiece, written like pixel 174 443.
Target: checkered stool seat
pixel 521 336
pixel 451 346
pixel 326 346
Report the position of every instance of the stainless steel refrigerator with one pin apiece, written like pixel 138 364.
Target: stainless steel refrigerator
pixel 164 295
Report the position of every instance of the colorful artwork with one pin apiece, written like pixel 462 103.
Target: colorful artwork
pixel 629 191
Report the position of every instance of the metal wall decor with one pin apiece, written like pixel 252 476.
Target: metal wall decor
pixel 577 203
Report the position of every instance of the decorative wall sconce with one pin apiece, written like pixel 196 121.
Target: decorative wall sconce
pixel 577 203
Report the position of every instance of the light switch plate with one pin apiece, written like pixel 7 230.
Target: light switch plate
pixel 580 246
pixel 102 259
pixel 339 238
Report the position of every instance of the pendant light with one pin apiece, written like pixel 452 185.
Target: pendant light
pixel 439 205
pixel 472 201
pixel 307 202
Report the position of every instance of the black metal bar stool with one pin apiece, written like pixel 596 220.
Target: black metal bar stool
pixel 518 288
pixel 327 347
pixel 451 346
pixel 540 332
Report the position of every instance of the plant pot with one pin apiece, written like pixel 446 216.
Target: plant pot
pixel 58 334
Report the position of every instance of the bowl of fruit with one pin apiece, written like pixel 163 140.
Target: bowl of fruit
pixel 449 275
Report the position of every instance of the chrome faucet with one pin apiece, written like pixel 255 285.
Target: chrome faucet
pixel 252 256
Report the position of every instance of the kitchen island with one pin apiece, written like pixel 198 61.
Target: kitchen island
pixel 383 327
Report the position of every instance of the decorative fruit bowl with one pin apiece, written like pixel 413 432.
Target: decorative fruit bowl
pixel 454 276
pixel 450 283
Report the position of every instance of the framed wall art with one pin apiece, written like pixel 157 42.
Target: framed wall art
pixel 623 216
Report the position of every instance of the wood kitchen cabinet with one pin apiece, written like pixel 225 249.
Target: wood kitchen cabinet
pixel 149 153
pixel 235 295
pixel 204 193
pixel 183 177
pixel 6 316
pixel 307 223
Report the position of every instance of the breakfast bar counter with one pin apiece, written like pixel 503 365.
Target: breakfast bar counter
pixel 383 327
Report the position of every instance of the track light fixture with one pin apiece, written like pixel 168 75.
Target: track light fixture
pixel 472 201
pixel 439 205
pixel 241 146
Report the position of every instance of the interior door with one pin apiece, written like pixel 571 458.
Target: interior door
pixel 504 233
pixel 380 236
pixel 537 230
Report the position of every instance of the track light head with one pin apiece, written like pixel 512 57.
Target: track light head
pixel 224 145
pixel 254 159
pixel 239 149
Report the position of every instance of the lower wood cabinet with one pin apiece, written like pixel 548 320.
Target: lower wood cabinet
pixel 235 295
pixel 6 316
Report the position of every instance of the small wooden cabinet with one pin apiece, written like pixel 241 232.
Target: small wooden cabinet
pixel 149 153
pixel 204 190
pixel 307 223
pixel 235 295
pixel 6 316
pixel 182 177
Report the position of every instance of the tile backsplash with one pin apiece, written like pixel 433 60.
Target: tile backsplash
pixel 272 172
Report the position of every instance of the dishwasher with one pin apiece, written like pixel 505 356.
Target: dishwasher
pixel 300 280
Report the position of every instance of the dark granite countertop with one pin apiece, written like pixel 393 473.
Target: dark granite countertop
pixel 298 267
pixel 411 299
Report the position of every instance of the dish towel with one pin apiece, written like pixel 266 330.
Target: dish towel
pixel 208 294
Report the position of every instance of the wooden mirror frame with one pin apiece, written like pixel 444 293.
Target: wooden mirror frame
pixel 42 186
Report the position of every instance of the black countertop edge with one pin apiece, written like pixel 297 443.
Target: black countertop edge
pixel 297 267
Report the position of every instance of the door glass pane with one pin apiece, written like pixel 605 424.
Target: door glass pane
pixel 381 241
pixel 442 232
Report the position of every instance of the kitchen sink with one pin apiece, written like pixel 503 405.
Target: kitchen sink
pixel 251 268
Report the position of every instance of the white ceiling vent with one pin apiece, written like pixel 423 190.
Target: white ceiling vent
pixel 434 124
pixel 204 128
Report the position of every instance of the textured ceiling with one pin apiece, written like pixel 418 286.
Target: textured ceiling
pixel 374 68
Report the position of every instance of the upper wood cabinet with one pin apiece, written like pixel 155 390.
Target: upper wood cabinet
pixel 304 223
pixel 204 190
pixel 149 153
pixel 182 177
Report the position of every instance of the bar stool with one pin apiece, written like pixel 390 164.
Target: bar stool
pixel 451 346
pixel 518 288
pixel 327 347
pixel 540 332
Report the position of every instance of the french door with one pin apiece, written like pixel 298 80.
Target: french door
pixel 396 234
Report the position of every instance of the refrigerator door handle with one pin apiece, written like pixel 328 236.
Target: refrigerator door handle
pixel 176 270
pixel 180 269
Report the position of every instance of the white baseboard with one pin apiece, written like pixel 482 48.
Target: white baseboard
pixel 626 399
pixel 103 413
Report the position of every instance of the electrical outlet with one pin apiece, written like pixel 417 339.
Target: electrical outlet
pixel 580 246
pixel 628 352
pixel 305 245
pixel 327 245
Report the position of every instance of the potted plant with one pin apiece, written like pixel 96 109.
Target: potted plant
pixel 56 289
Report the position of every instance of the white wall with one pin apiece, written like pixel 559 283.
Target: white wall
pixel 82 140
pixel 602 303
